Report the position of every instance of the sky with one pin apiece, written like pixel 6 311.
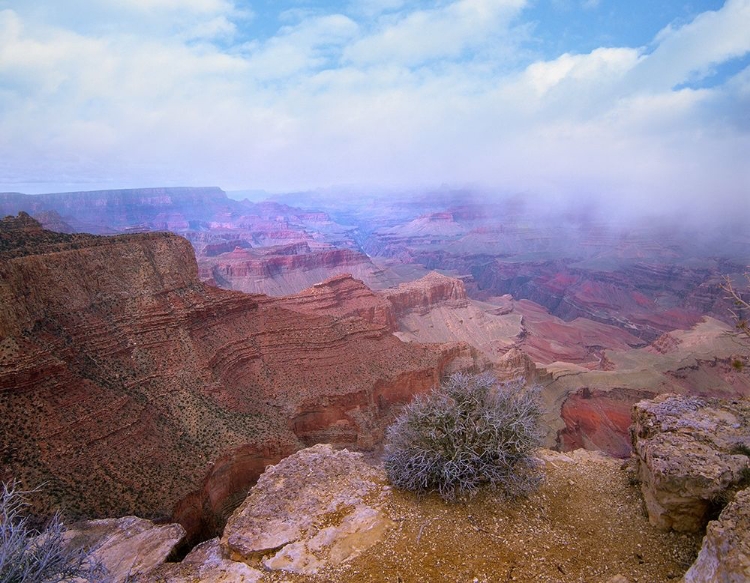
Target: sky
pixel 640 103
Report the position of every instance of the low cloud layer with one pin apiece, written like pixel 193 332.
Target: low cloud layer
pixel 383 92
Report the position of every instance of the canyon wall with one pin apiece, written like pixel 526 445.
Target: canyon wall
pixel 129 386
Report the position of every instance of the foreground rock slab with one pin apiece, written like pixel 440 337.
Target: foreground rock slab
pixel 128 546
pixel 317 507
pixel 725 555
pixel 691 453
pixel 207 564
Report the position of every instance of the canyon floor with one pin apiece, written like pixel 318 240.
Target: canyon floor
pixel 586 523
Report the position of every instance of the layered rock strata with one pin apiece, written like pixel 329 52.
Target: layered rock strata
pixel 690 453
pixel 128 385
pixel 426 293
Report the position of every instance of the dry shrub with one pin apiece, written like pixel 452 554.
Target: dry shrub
pixel 31 556
pixel 468 432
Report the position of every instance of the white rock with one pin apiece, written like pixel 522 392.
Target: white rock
pixel 127 546
pixel 319 506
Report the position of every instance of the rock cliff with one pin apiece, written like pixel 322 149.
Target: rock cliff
pixel 725 554
pixel 284 270
pixel 426 293
pixel 690 453
pixel 129 386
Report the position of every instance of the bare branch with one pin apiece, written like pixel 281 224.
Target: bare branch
pixel 468 432
pixel 740 303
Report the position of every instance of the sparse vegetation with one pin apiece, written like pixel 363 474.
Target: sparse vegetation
pixel 31 556
pixel 469 432
pixel 742 306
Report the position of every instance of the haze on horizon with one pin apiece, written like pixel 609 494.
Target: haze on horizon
pixel 634 105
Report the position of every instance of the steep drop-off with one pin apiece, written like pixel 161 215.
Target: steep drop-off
pixel 128 385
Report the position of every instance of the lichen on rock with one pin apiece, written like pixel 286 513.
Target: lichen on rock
pixel 690 455
pixel 317 507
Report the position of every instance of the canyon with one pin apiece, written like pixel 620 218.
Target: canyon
pixel 131 387
pixel 160 347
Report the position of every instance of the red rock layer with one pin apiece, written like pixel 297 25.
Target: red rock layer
pixel 425 293
pixel 343 296
pixel 125 380
pixel 596 419
pixel 582 341
pixel 631 297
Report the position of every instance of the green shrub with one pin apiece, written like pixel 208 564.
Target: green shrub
pixel 469 432
pixel 31 556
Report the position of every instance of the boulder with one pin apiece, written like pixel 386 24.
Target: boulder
pixel 207 564
pixel 317 507
pixel 126 547
pixel 725 555
pixel 690 453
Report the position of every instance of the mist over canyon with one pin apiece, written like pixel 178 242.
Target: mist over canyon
pixel 160 346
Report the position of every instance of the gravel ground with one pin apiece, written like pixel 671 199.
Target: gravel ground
pixel 586 523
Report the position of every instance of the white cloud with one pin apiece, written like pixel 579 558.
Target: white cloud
pixel 307 45
pixel 688 52
pixel 411 96
pixel 600 66
pixel 444 32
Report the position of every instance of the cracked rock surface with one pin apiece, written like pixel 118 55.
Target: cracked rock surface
pixel 690 454
pixel 126 546
pixel 725 555
pixel 318 506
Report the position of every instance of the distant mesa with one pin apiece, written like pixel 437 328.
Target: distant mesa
pixel 155 391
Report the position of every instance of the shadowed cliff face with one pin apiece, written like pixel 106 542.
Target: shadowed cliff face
pixel 129 385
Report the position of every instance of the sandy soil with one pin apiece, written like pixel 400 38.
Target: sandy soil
pixel 586 523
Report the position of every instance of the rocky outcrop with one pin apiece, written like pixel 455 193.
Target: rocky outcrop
pixel 327 515
pixel 725 554
pixel 127 546
pixel 149 388
pixel 205 563
pixel 691 453
pixel 315 508
pixel 343 296
pixel 425 293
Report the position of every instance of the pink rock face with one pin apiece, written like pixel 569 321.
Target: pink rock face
pixel 424 293
pixel 129 385
pixel 343 296
pixel 241 264
pixel 581 341
pixel 599 420
pixel 624 298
